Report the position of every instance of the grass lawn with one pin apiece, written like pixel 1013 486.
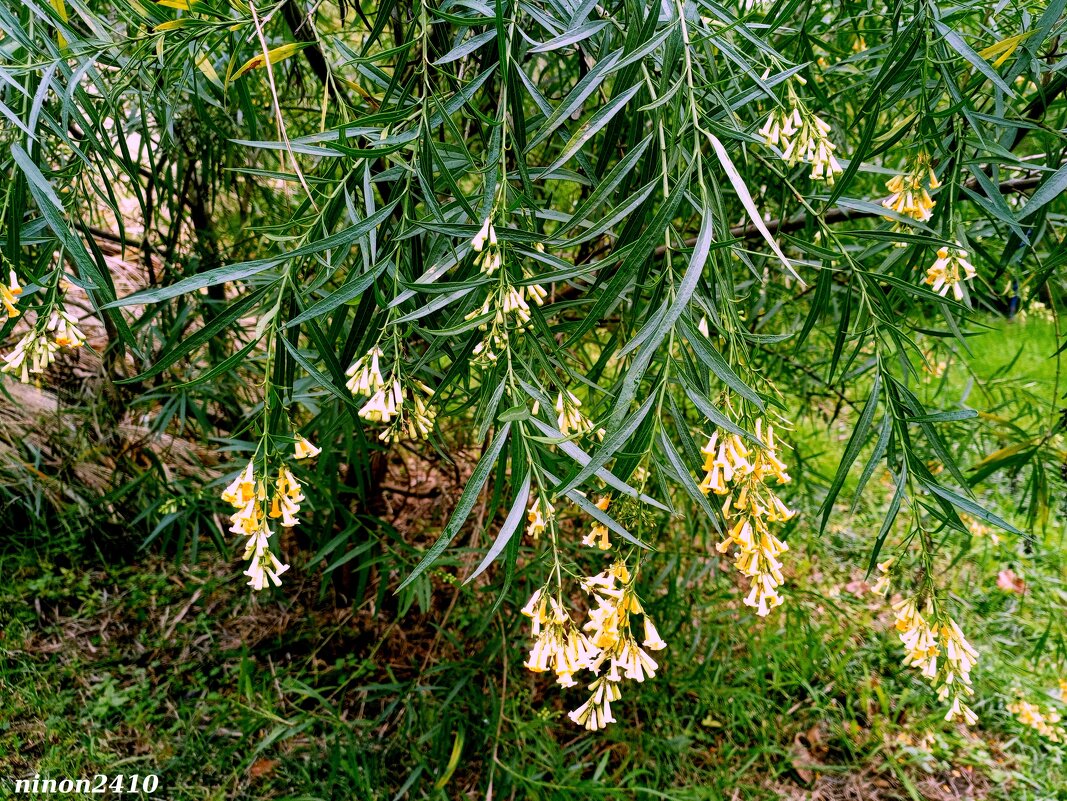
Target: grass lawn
pixel 150 667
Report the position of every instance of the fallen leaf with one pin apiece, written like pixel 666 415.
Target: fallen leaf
pixel 262 767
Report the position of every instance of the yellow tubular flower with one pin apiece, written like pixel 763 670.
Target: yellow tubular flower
pixel 303 449
pixel 881 586
pixel 242 489
pixel 598 533
pixel 652 639
pixel 9 293
pixel 538 517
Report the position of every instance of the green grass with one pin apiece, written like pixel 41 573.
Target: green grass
pixel 151 668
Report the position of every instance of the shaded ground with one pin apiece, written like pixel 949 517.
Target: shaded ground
pixel 181 673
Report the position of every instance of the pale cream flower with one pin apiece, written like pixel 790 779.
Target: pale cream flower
pixel 803 137
pixel 64 331
pixel 32 355
pixel 743 475
pixel 479 239
pixel 652 639
pixel 569 417
pixel 595 713
pixel 364 375
pixel 1044 721
pixel 539 516
pixel 303 449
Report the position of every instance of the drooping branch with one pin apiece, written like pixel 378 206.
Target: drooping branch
pixel 838 214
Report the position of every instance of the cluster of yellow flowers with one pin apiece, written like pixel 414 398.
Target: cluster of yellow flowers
pixel 803 137
pixel 38 347
pixel 9 295
pixel 391 398
pixel 598 532
pixel 742 476
pixel 949 271
pixel 910 190
pixel 605 640
pixel 1044 721
pixel 248 494
pixel 924 644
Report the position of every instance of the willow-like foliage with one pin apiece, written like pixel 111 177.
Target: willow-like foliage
pixel 599 241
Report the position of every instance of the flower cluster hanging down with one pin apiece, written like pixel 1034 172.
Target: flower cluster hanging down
pixel 949 271
pixel 403 404
pixel 256 502
pixel 606 645
pixel 569 416
pixel 38 347
pixel 488 258
pixel 911 191
pixel 506 308
pixel 926 643
pixel 742 474
pixel 803 137
pixel 1045 722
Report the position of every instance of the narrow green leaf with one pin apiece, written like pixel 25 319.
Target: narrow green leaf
pixel 707 408
pixel 714 361
pixel 976 61
pixel 467 47
pixel 571 37
pixel 355 286
pixel 463 508
pixel 686 479
pixel 1051 188
pixel 590 127
pixel 202 336
pixel 852 450
pixel 510 526
pixel 745 197
pixel 967 505
pixel 597 514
